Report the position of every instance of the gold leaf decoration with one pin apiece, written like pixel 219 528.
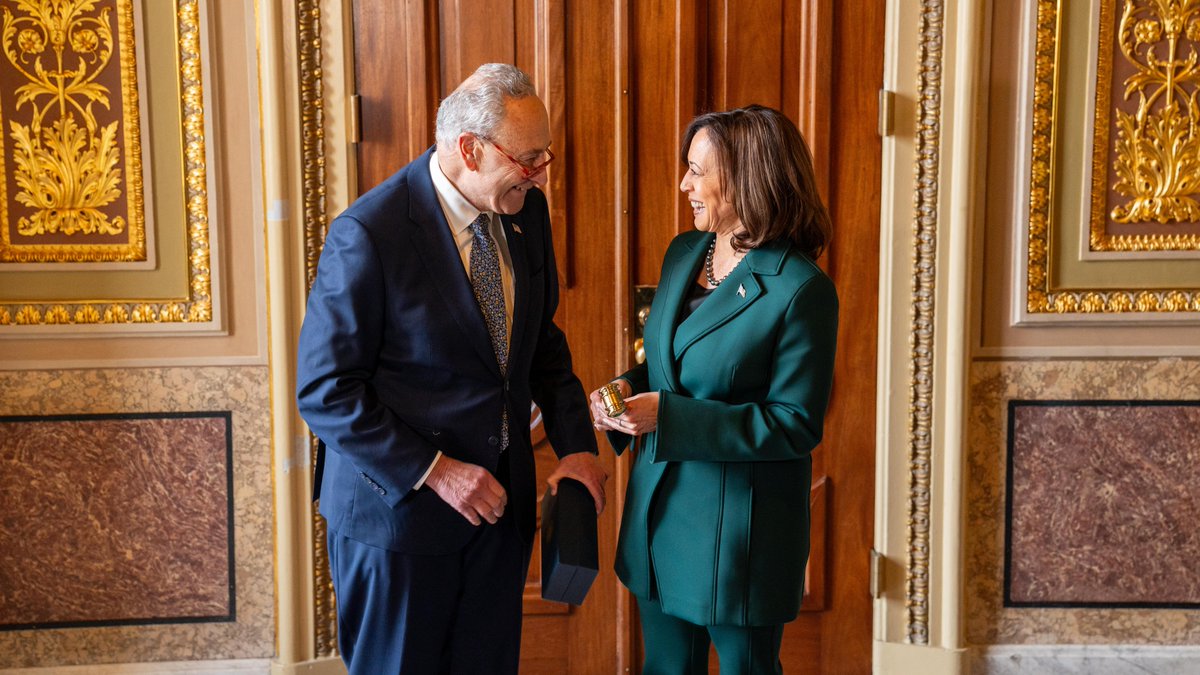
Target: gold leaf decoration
pixel 87 314
pixel 28 315
pixel 1157 161
pixel 67 179
pixel 66 173
pixel 56 315
pixel 116 314
pixel 28 43
pixel 1169 145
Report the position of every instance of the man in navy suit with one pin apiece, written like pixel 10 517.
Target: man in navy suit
pixel 429 331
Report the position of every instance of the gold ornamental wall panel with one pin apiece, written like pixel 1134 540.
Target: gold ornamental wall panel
pixel 79 132
pixel 1146 162
pixel 1113 221
pixel 70 146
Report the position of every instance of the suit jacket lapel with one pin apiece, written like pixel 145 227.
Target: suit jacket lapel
pixel 725 303
pixel 736 293
pixel 520 275
pixel 678 273
pixel 439 253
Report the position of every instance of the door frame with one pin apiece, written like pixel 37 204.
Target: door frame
pixel 304 92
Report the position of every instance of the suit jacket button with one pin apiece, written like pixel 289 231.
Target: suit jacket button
pixel 493 440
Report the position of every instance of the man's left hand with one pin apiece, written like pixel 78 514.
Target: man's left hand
pixel 583 467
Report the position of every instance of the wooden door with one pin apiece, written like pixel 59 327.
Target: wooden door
pixel 621 79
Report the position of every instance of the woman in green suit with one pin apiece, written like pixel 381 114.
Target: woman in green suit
pixel 729 404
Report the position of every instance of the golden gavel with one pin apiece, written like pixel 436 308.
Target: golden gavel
pixel 614 403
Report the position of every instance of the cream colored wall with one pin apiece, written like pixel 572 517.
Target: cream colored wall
pixel 236 210
pixel 1058 360
pixel 1006 210
pixel 929 192
pixel 951 356
pixel 304 96
pixel 73 372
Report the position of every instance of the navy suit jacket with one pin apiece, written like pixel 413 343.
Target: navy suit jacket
pixel 395 364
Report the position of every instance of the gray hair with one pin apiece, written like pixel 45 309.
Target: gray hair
pixel 477 106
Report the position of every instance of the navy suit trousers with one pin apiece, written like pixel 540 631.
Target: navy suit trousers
pixel 454 614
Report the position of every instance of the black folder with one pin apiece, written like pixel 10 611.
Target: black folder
pixel 570 556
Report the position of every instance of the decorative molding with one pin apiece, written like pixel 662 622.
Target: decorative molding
pixel 316 225
pixel 197 307
pixel 79 172
pixel 1040 297
pixel 920 435
pixel 312 124
pixel 1166 190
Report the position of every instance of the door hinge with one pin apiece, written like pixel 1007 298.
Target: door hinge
pixel 887 112
pixel 877 567
pixel 355 119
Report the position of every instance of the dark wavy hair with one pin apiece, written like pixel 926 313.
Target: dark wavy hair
pixel 766 172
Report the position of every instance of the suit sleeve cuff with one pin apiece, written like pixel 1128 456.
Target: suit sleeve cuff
pixel 428 471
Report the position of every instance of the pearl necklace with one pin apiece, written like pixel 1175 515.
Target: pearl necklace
pixel 708 265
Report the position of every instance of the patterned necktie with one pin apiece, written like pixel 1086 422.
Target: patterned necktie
pixel 489 293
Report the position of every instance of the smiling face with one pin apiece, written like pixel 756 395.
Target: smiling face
pixel 494 182
pixel 711 211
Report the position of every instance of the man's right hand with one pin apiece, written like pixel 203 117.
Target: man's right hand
pixel 469 489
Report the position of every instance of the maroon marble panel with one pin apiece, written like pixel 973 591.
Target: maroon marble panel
pixel 115 519
pixel 1103 504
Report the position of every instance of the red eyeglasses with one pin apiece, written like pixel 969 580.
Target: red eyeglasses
pixel 526 170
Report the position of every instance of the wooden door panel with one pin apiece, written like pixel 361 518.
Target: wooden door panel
pixel 746 53
pixel 621 79
pixel 476 32
pixel 398 94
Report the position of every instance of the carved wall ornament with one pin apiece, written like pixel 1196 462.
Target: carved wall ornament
pixel 1145 158
pixel 922 317
pixel 71 139
pixel 66 164
pixel 309 40
pixel 1146 164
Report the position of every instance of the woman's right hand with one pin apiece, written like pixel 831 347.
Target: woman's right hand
pixel 596 404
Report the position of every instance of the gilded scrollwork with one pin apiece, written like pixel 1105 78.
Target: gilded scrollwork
pixel 1041 297
pixel 1158 146
pixel 924 276
pixel 76 169
pixel 197 305
pixel 1155 162
pixel 312 112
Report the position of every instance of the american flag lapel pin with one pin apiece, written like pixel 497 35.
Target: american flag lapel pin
pixel 741 290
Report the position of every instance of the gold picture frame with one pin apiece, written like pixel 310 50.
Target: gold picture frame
pixel 71 148
pixel 180 294
pixel 1061 284
pixel 1155 161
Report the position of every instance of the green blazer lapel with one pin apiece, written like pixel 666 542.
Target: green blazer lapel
pixel 678 273
pixel 735 294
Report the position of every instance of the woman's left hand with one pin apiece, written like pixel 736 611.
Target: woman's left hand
pixel 640 416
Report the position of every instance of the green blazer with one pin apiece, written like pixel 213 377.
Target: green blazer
pixel 716 512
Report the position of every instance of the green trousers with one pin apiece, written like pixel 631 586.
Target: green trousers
pixel 676 647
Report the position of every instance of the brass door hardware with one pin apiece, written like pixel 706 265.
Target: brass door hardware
pixel 642 297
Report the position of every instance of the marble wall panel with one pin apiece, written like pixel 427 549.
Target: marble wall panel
pixel 993 385
pixel 1102 504
pixel 131 520
pixel 245 392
